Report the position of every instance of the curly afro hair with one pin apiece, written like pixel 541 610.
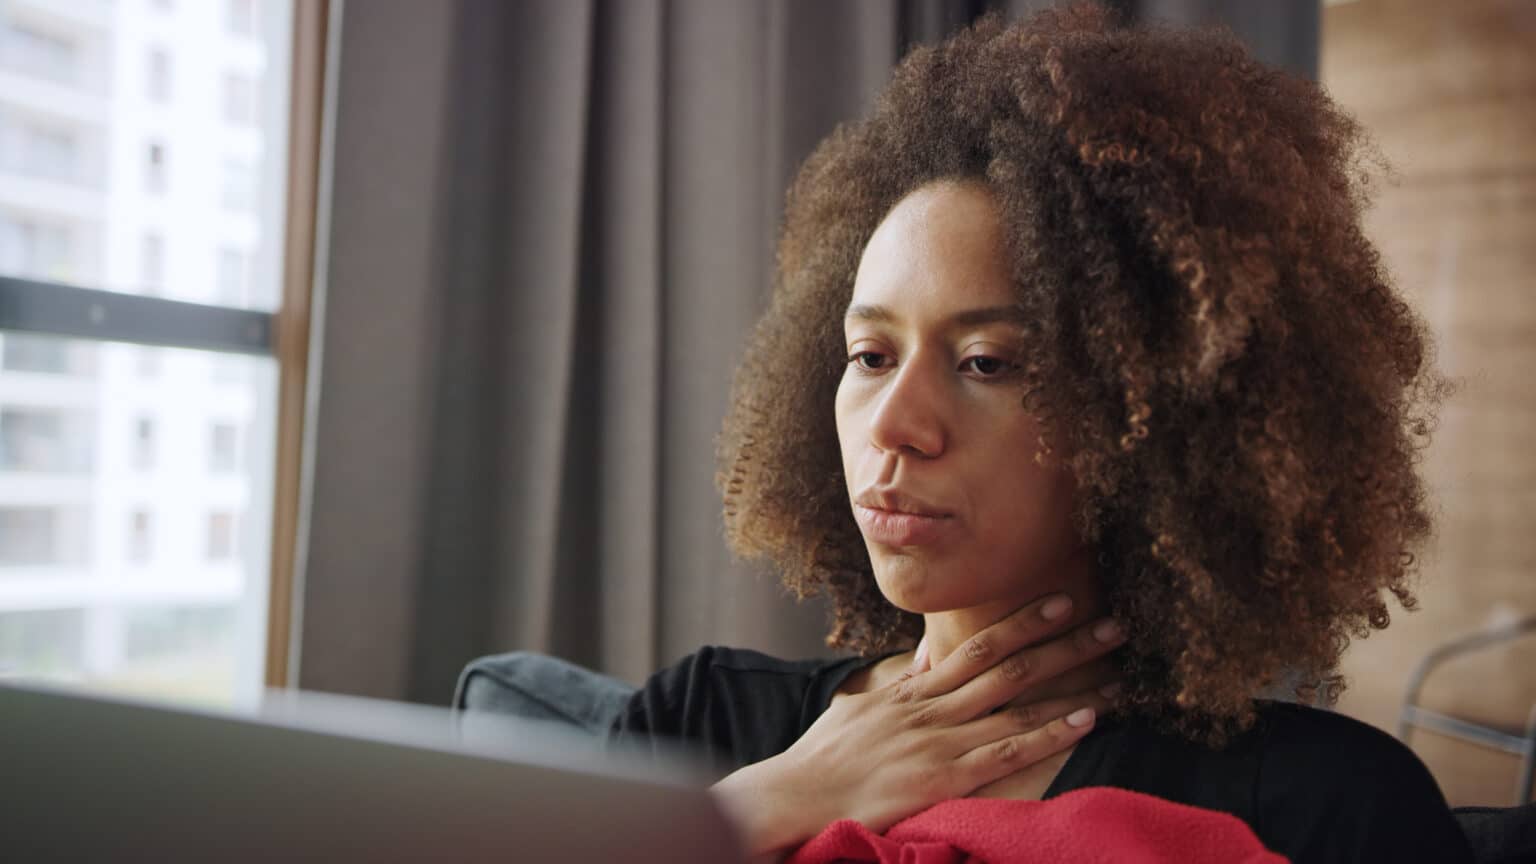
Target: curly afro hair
pixel 1240 394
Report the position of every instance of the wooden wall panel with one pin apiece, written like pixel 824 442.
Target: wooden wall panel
pixel 1448 91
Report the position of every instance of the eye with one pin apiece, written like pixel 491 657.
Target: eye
pixel 987 367
pixel 868 361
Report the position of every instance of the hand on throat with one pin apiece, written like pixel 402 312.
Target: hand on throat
pixel 1078 578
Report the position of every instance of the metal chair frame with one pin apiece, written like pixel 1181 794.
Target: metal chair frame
pixel 1414 716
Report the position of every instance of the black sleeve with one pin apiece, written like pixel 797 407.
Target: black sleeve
pixel 675 708
pixel 730 707
pixel 1334 789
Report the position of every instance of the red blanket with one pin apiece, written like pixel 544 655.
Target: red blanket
pixel 1089 826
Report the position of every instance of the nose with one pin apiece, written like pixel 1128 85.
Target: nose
pixel 908 417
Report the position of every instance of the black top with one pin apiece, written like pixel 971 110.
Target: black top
pixel 1314 785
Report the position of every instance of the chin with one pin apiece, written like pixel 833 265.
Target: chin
pixel 912 586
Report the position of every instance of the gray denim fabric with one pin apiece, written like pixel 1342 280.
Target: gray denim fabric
pixel 539 687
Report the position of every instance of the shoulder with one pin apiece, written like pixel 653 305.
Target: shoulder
pixel 719 665
pixel 1309 744
pixel 736 704
pixel 1319 731
pixel 1339 789
pixel 728 661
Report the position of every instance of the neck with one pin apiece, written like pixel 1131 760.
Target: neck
pixel 1077 578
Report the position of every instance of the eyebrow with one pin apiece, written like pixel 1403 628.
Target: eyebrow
pixel 968 318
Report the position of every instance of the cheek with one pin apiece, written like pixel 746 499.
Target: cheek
pixel 850 429
pixel 1026 530
pixel 1025 503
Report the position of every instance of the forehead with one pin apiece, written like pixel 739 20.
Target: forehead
pixel 940 247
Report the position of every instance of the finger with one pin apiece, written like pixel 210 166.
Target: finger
pixel 1031 666
pixel 997 759
pixel 1027 626
pixel 1018 719
pixel 1089 676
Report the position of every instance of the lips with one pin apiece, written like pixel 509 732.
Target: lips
pixel 895 519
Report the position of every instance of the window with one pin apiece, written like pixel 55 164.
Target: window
pixel 152 263
pixel 159 532
pixel 154 169
pixel 147 441
pixel 239 185
pixel 39 54
pixel 221 536
pixel 28 536
pixel 223 448
pixel 36 249
pixel 239 100
pixel 23 352
pixel 144 444
pixel 36 439
pixel 159 83
pixel 49 153
pixel 172 634
pixel 36 148
pixel 231 371
pixel 139 539
pixel 46 641
pixel 233 278
pixel 242 17
pixel 147 360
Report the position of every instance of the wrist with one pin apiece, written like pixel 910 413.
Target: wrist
pixel 760 799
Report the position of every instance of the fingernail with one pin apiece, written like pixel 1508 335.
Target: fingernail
pixel 1056 607
pixel 1106 631
pixel 1110 690
pixel 1080 718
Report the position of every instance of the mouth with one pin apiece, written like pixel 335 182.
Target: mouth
pixel 894 519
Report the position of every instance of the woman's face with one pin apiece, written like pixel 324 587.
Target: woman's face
pixel 937 447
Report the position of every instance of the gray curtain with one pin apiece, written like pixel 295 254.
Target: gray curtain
pixel 551 225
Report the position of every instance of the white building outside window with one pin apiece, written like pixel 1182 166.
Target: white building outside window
pixel 23 352
pixel 221 536
pixel 28 536
pixel 129 177
pixel 233 277
pixel 155 170
pixel 239 100
pixel 36 250
pixel 38 53
pixel 140 537
pixel 33 147
pixel 239 185
pixel 32 439
pixel 241 17
pixel 144 444
pixel 159 76
pixel 152 263
pixel 224 448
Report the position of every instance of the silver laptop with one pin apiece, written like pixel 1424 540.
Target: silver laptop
pixel 313 777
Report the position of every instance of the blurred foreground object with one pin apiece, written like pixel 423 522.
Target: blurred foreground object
pixel 328 777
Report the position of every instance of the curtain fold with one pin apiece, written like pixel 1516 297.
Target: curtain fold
pixel 553 225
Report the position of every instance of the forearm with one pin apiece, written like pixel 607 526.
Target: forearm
pixel 772 820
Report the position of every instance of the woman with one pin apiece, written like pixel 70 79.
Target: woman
pixel 1077 333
